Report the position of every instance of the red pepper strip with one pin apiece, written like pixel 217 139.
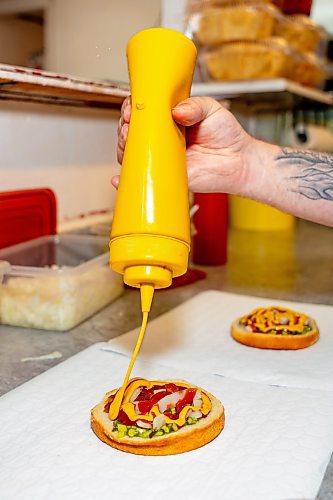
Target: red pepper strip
pixel 122 416
pixel 187 399
pixel 146 394
pixel 172 416
pixel 147 399
pixel 108 403
pixel 171 387
pixel 145 406
pixel 123 419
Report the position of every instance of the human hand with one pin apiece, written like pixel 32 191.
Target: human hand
pixel 222 157
pixel 217 145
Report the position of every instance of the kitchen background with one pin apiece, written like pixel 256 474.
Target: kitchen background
pixel 60 132
pixel 72 149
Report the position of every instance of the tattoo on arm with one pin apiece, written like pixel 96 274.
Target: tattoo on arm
pixel 312 173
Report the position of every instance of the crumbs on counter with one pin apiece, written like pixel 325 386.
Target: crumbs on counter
pixel 51 355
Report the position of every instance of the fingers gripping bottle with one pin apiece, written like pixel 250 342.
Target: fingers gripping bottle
pixel 150 237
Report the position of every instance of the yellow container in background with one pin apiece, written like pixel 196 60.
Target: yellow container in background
pixel 255 216
pixel 262 260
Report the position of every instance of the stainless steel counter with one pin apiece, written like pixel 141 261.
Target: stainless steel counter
pixel 287 266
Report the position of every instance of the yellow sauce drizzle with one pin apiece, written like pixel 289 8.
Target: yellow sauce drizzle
pixel 275 318
pixel 129 409
pixel 116 403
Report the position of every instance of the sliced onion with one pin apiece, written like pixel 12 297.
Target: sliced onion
pixel 195 414
pixel 136 406
pixel 112 424
pixel 197 403
pixel 170 400
pixel 197 395
pixel 159 421
pixel 158 390
pixel 197 400
pixel 135 394
pixel 143 425
pixel 284 320
pixel 189 411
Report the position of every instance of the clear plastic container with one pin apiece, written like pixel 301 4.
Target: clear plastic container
pixel 301 33
pixel 56 282
pixel 269 58
pixel 233 21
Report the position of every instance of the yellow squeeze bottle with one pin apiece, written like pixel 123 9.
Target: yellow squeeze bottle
pixel 150 237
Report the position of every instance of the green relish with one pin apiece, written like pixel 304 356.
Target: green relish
pixel 132 431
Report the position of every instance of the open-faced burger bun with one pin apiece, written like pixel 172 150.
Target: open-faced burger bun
pixel 273 341
pixel 186 438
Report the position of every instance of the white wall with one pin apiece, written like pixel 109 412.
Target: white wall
pixel 71 150
pixel 88 37
pixel 322 12
pixel 173 13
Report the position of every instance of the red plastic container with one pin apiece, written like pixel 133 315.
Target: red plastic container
pixel 209 245
pixel 27 214
pixel 297 7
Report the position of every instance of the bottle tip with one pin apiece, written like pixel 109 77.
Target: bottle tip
pixel 147 293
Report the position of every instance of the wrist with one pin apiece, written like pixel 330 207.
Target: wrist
pixel 259 158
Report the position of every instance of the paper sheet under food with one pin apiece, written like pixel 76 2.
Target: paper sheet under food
pixel 196 334
pixel 275 446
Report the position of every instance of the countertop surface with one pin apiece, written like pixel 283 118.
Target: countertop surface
pixel 283 265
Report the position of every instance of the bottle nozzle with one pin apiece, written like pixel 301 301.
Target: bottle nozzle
pixel 147 293
pixel 155 276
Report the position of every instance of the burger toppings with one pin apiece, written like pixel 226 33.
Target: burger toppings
pixel 276 321
pixel 152 409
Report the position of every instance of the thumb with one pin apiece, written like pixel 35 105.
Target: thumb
pixel 194 110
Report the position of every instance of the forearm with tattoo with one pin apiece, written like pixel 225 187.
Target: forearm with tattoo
pixel 311 175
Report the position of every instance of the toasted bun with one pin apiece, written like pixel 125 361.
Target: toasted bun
pixel 269 341
pixel 187 438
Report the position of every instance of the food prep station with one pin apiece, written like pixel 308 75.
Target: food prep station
pixel 59 297
pixel 288 280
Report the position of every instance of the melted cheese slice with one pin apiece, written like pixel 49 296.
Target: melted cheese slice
pixel 275 318
pixel 129 408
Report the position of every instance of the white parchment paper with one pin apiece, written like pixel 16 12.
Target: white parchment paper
pixel 196 334
pixel 275 446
